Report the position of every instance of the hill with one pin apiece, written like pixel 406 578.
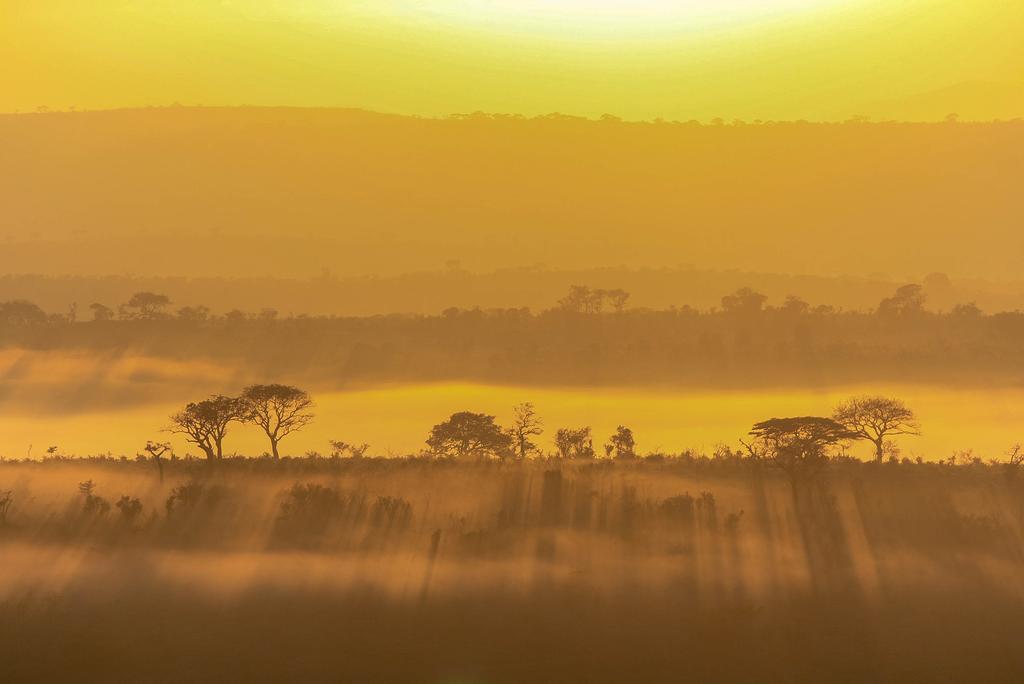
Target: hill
pixel 290 192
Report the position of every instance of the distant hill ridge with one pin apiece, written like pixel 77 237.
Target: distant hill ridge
pixel 288 191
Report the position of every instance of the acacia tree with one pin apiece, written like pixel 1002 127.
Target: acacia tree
pixel 157 450
pixel 799 446
pixel 525 425
pixel 875 418
pixel 468 435
pixel 145 306
pixel 205 423
pixel 278 409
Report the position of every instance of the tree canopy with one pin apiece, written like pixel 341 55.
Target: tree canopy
pixel 205 423
pixel 278 409
pixel 798 445
pixel 467 435
pixel 875 418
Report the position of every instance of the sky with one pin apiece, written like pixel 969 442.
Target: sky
pixel 642 59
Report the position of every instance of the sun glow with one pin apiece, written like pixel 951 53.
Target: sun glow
pixel 579 17
pixel 642 59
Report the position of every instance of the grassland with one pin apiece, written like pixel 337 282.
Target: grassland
pixel 702 568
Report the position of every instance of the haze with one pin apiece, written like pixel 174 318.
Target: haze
pixel 511 341
pixel 296 192
pixel 786 59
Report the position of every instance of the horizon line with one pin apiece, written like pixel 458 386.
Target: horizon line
pixel 481 115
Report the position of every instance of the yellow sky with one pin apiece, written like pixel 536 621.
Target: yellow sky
pixel 770 59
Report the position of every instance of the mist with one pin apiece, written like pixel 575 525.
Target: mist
pixel 683 563
pixel 285 191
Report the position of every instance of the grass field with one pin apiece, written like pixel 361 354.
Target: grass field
pixel 700 568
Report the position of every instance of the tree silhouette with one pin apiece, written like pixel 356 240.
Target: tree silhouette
pixel 968 311
pixel 583 299
pixel 744 301
pixel 130 508
pixel 908 300
pixel 468 435
pixel 101 312
pixel 794 306
pixel 617 298
pixel 875 417
pixel 157 450
pixel 21 312
pixel 195 314
pixel 278 409
pixel 145 306
pixel 525 425
pixel 574 443
pixel 91 503
pixel 340 448
pixel 622 444
pixel 205 423
pixel 799 446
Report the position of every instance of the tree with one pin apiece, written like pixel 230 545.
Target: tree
pixel 875 417
pixel 622 444
pixel 574 443
pixel 908 300
pixel 21 312
pixel 101 312
pixel 340 448
pixel 130 508
pixel 467 435
pixel 618 299
pixel 278 409
pixel 799 446
pixel 525 425
pixel 582 299
pixel 744 301
pixel 967 312
pixel 795 306
pixel 157 450
pixel 205 423
pixel 92 504
pixel 145 306
pixel 194 314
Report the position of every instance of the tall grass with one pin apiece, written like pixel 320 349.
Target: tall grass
pixel 379 569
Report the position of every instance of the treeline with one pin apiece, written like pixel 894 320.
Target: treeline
pixel 592 335
pixel 462 285
pixel 907 300
pixel 801 446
